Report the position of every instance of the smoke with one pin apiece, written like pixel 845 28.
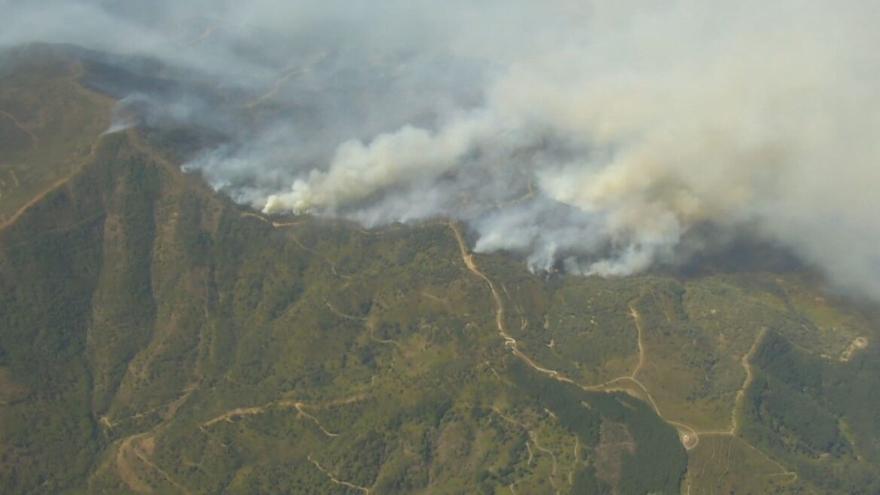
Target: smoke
pixel 596 136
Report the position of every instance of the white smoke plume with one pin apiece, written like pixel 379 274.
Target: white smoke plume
pixel 591 134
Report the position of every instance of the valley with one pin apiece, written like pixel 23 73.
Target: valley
pixel 156 337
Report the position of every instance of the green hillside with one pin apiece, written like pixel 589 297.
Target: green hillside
pixel 155 337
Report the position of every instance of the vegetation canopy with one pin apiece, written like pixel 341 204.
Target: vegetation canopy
pixel 156 337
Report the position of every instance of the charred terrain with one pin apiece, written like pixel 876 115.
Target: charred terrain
pixel 157 337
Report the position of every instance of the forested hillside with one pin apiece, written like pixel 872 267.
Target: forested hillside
pixel 155 337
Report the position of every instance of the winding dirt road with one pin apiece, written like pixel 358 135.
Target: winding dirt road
pixel 54 186
pixel 33 137
pixel 336 480
pixel 689 436
pixel 256 410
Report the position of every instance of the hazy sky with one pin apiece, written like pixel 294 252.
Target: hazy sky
pixel 594 133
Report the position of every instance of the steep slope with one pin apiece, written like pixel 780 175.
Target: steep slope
pixel 143 314
pixel 161 316
pixel 48 123
pixel 157 338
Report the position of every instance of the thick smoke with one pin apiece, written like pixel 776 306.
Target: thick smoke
pixel 593 135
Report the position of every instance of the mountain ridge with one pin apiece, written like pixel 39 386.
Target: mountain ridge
pixel 157 337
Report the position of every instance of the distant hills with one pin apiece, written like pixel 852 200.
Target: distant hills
pixel 155 337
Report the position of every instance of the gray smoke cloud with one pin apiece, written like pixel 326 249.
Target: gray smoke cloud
pixel 595 135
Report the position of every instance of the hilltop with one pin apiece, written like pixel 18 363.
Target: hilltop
pixel 156 337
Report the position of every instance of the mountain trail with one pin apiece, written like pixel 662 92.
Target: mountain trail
pixel 33 137
pixel 300 407
pixel 53 187
pixel 336 480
